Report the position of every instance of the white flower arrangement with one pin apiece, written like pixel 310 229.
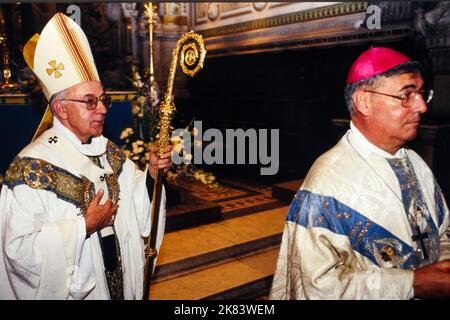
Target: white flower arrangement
pixel 187 171
pixel 126 133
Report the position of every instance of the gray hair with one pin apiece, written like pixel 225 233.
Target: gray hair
pixel 53 98
pixel 350 88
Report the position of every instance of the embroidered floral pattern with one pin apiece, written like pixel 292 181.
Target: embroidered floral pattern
pixel 115 157
pixel 39 174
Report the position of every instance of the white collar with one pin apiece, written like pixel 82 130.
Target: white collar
pixel 365 147
pixel 95 148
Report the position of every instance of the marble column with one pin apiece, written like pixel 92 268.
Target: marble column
pixel 130 14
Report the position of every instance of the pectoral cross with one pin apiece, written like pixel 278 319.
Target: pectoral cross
pixel 419 237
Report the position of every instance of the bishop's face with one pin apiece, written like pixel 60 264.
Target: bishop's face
pixel 84 123
pixel 390 121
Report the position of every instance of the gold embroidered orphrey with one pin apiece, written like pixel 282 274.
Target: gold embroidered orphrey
pixel 40 174
pixel 55 69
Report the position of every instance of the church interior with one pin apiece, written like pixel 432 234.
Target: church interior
pixel 275 66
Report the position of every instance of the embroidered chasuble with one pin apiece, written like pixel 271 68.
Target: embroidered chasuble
pixel 45 249
pixel 361 223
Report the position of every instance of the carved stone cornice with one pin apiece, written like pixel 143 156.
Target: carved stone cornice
pixel 326 32
pixel 438 42
pixel 322 26
pixel 285 19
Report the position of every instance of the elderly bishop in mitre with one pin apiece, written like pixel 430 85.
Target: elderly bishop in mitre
pixel 73 209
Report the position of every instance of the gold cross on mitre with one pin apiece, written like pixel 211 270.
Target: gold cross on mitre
pixel 55 69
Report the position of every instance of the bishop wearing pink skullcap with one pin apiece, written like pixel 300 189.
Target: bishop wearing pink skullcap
pixel 374 62
pixel 369 220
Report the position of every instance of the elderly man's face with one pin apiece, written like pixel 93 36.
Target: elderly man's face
pixel 389 120
pixel 82 122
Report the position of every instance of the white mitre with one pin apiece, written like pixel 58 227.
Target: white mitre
pixel 61 58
